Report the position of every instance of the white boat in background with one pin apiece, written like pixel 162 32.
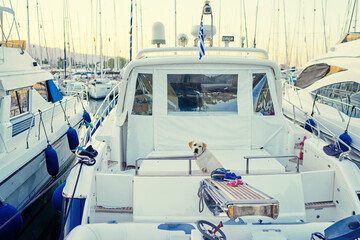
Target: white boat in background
pixel 144 182
pixel 35 121
pixel 72 86
pixel 100 87
pixel 328 90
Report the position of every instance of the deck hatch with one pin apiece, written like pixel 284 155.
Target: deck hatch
pixel 243 200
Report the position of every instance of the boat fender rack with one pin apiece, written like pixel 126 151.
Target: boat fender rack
pixel 243 200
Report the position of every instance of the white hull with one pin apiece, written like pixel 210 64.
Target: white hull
pixel 24 184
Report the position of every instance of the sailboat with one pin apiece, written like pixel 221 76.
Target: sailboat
pixel 100 87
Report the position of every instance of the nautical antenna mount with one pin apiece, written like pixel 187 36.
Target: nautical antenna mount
pixel 207 11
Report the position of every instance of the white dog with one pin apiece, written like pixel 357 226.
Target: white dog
pixel 206 161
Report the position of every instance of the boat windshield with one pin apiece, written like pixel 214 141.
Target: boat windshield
pixel 202 93
pixel 314 73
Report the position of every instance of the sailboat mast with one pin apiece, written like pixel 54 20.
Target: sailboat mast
pixel 101 56
pixel 37 10
pixel 28 26
pixel 286 45
pixel 174 23
pixel 64 26
pixel 323 13
pixel 131 23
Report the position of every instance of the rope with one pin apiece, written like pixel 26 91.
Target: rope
pixel 201 200
pixel 37 197
pixel 71 201
pixel 65 114
pixel 42 121
pixel 313 106
pixel 347 126
pixel 318 235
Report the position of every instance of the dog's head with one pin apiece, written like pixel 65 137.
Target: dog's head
pixel 197 147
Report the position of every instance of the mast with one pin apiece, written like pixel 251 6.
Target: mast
pixel 141 25
pixel 174 23
pixel 313 47
pixel 257 8
pixel 323 13
pixel 101 56
pixel 37 10
pixel 131 20
pixel 219 35
pixel 64 26
pixel 286 45
pixel 28 26
pixel 114 39
pixel 136 19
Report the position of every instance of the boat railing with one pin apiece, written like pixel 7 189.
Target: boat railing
pixel 269 157
pixel 103 110
pixel 335 102
pixel 176 158
pixel 318 129
pixel 194 157
pixel 6 42
pixel 175 50
pixel 79 97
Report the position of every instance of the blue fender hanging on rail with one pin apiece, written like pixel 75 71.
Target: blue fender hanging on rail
pixel 86 117
pixel 73 138
pixel 10 230
pixel 52 162
pixel 57 197
pixel 345 137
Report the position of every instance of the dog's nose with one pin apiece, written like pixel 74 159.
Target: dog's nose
pixel 196 150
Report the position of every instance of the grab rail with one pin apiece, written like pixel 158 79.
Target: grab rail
pixel 325 130
pixel 189 158
pixel 265 157
pixel 196 49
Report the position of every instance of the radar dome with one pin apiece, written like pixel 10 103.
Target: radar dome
pixel 158 34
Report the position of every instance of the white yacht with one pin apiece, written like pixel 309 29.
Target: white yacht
pixel 327 90
pixel 72 86
pixel 144 182
pixel 34 118
pixel 100 87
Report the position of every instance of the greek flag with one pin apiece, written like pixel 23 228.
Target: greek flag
pixel 201 38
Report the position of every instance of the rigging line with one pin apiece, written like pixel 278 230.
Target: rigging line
pixel 38 21
pixel 256 18
pixel 347 12
pixel 43 28
pixel 313 44
pixel 246 34
pixel 352 14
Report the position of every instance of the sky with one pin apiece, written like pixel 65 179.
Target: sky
pixel 304 21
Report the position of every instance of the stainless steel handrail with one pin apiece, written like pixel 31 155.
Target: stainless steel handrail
pixel 189 158
pixel 264 157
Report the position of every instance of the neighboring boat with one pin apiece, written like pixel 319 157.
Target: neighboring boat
pixel 139 179
pixel 72 87
pixel 35 125
pixel 101 87
pixel 328 90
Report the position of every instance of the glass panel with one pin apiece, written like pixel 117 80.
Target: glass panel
pixel 202 92
pixel 42 89
pixel 19 102
pixel 346 92
pixel 261 95
pixel 143 95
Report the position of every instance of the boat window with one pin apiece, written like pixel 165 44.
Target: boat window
pixel 143 95
pixel 314 73
pixel 19 102
pixel 344 92
pixel 202 92
pixel 261 95
pixel 43 89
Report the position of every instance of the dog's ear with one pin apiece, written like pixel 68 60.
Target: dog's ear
pixel 204 147
pixel 190 144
